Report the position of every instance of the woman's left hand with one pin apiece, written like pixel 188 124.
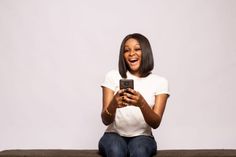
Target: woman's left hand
pixel 132 97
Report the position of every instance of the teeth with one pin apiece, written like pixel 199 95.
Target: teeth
pixel 133 60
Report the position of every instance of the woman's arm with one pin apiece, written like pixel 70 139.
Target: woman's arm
pixel 110 103
pixel 152 116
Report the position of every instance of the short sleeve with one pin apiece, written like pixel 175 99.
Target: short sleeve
pixel 162 86
pixel 111 80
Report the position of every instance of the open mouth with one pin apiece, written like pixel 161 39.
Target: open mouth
pixel 133 60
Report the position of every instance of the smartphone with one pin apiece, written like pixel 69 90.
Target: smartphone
pixel 126 83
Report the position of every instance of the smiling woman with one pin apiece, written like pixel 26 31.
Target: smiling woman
pixel 131 113
pixel 136 47
pixel 132 55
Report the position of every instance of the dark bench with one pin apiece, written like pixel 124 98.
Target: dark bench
pixel 94 153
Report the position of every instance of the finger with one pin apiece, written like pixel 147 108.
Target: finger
pixel 121 101
pixel 122 98
pixel 123 104
pixel 131 91
pixel 126 99
pixel 130 96
pixel 120 104
pixel 132 102
pixel 120 92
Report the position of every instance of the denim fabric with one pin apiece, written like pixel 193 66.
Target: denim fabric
pixel 114 145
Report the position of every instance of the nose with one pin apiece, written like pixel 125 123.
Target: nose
pixel 132 52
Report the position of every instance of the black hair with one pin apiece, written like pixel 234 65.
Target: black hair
pixel 147 62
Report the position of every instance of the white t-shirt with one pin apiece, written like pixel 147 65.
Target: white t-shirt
pixel 129 121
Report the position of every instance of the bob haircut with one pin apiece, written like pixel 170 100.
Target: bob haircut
pixel 147 62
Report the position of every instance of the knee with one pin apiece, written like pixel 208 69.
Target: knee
pixel 116 151
pixel 112 145
pixel 141 152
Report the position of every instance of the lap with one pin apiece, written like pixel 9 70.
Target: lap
pixel 142 146
pixel 113 143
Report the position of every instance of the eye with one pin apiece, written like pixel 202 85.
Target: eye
pixel 126 50
pixel 137 49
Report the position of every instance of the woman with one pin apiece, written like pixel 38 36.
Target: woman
pixel 132 113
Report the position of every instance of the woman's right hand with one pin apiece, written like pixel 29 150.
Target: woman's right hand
pixel 111 102
pixel 119 99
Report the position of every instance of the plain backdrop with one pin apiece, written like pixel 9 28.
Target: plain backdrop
pixel 54 55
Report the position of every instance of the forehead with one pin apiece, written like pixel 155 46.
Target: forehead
pixel 131 42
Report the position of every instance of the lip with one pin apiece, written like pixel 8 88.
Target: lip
pixel 133 61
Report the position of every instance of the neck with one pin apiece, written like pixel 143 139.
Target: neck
pixel 135 73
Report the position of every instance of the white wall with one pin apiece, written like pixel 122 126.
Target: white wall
pixel 54 55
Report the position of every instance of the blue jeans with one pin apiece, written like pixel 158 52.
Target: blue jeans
pixel 114 145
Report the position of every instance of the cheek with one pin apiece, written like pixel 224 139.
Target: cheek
pixel 140 54
pixel 125 57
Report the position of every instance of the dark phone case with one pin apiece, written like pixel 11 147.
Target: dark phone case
pixel 126 83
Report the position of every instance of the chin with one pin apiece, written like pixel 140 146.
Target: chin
pixel 134 68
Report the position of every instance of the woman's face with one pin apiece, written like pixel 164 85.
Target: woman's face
pixel 133 55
